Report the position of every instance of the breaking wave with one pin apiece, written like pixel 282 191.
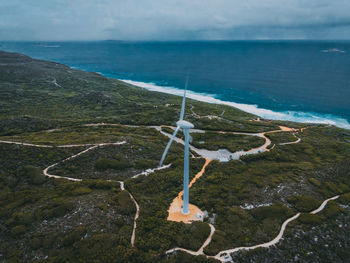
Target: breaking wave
pixel 296 116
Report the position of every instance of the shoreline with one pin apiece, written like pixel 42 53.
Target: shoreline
pixel 294 116
pixel 283 115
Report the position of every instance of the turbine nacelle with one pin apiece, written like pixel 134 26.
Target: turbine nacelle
pixel 184 124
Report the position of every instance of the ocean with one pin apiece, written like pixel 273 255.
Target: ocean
pixel 305 81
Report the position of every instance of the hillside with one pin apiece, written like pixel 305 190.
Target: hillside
pixel 78 164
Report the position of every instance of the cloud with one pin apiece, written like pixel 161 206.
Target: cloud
pixel 173 20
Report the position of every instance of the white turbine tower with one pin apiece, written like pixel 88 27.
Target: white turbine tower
pixel 184 126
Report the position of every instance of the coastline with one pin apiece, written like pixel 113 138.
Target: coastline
pixel 269 107
pixel 295 116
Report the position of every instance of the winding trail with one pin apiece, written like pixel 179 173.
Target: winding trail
pixel 265 245
pixel 149 171
pixel 93 146
pixel 200 250
pixel 45 171
pixel 50 146
pixel 132 241
pixel 286 143
pixel 224 255
pixel 223 155
pixel 175 207
pixel 324 204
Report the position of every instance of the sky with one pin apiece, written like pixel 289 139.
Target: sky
pixel 60 20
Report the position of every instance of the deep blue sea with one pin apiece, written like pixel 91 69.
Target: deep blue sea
pixel 290 80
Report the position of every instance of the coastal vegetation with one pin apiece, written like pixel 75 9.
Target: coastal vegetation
pixel 56 220
pixel 232 142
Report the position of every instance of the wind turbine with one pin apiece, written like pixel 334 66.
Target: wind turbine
pixel 184 126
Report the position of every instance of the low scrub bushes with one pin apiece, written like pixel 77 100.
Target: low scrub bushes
pixel 274 211
pixel 304 203
pixel 310 219
pixel 103 164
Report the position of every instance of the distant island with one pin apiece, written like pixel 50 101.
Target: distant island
pixel 80 182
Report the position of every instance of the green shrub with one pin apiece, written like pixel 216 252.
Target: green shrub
pixel 315 182
pixel 292 199
pixel 81 191
pixel 333 187
pixel 35 243
pixel 331 210
pixel 119 221
pixel 3 212
pixel 24 218
pixel 345 198
pixel 274 211
pixel 102 206
pixel 304 203
pixel 11 181
pixel 199 230
pixel 103 164
pixel 146 163
pixel 34 175
pixel 60 210
pixel 100 184
pixel 75 235
pixel 310 219
pixel 48 242
pixel 125 204
pixel 54 210
pixel 18 230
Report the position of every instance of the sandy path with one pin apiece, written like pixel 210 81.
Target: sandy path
pixel 200 250
pixel 48 146
pixel 175 207
pixel 92 146
pixel 286 143
pixel 174 211
pixel 149 171
pixel 135 218
pixel 267 244
pixel 324 204
pixel 220 256
pixel 60 146
pixel 280 234
pixel 222 155
pixel 45 171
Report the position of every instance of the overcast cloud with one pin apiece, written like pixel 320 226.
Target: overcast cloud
pixel 173 19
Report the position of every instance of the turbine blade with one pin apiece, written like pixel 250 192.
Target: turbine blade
pixel 168 146
pixel 182 113
pixel 190 138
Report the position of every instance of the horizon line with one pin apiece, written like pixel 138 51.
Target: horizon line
pixel 189 40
